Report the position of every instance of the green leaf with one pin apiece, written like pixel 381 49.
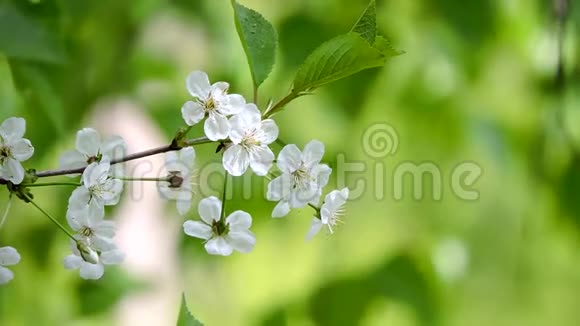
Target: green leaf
pixel 386 47
pixel 185 317
pixel 259 39
pixel 22 37
pixel 366 26
pixel 338 58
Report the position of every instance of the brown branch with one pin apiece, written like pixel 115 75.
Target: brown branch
pixel 159 150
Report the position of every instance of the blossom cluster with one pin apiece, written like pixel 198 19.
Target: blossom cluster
pixel 244 135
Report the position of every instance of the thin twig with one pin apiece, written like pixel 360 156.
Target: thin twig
pixel 131 157
pixel 281 104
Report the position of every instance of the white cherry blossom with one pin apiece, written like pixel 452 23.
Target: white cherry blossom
pixel 91 148
pixel 302 179
pixel 211 101
pixel 98 189
pixel 90 262
pixel 8 257
pixel 330 212
pixel 91 227
pixel 223 237
pixel 250 136
pixel 13 149
pixel 180 166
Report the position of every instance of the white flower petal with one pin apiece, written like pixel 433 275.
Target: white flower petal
pixel 321 173
pixel 210 209
pixel 90 271
pixel 239 220
pixel 13 171
pixel 12 129
pixel 235 104
pixel 114 148
pixel 261 160
pixel 77 216
pixel 183 206
pixel 247 119
pixel 112 257
pixel 197 229
pixel 72 160
pixel 88 142
pixel 335 199
pixel 344 192
pixel 173 162
pixel 289 158
pixel 9 256
pixel 22 149
pixel 192 113
pixel 94 173
pixel 279 188
pixel 282 209
pixel 165 191
pixel 315 227
pixel 237 130
pixel 236 160
pixel 112 190
pixel 316 199
pixel 79 198
pixel 74 249
pixel 270 131
pixel 198 84
pixel 302 196
pixel 102 243
pixel 313 152
pixel 72 262
pixel 116 170
pixel 95 219
pixel 242 241
pixel 96 207
pixel 187 156
pixel 218 246
pixel 219 88
pixel 184 193
pixel 216 127
pixel 105 228
pixel 6 275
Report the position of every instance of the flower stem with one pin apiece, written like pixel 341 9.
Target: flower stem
pixel 6 211
pixel 57 223
pixel 142 179
pixel 198 141
pixel 281 104
pixel 224 196
pixel 281 142
pixel 317 209
pixel 256 95
pixel 48 184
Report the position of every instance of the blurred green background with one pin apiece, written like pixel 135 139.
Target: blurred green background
pixel 479 83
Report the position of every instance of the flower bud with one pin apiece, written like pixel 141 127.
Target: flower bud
pixel 87 253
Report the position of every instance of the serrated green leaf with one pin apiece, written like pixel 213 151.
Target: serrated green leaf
pixel 259 39
pixel 22 37
pixel 185 317
pixel 386 47
pixel 338 58
pixel 366 26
